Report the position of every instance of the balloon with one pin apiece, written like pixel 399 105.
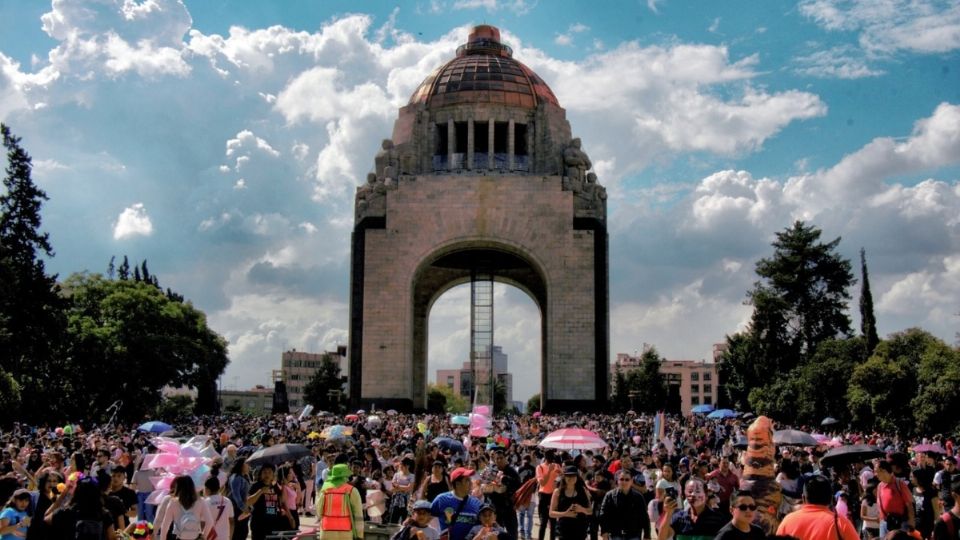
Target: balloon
pixel 162 482
pixel 59 431
pixel 74 477
pixel 155 497
pixel 68 429
pixel 61 487
pixel 482 409
pixel 421 427
pixel 164 460
pixel 479 432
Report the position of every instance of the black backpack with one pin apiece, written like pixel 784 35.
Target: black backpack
pixel 88 529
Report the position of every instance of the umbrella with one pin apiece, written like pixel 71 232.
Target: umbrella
pixel 278 454
pixel 155 426
pixel 820 437
pixel 702 409
pixel 351 418
pixel 336 432
pixel 829 421
pixel 929 449
pixel 460 420
pixel 313 435
pixel 722 413
pixel 850 454
pixel 573 439
pixel 452 445
pixel 748 415
pixel 391 412
pixel 537 414
pixel 361 411
pixel 793 437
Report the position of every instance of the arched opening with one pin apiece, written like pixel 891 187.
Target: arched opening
pixel 517 340
pixel 449 270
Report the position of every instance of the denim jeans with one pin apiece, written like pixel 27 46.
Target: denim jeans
pixel 525 517
pixel 145 511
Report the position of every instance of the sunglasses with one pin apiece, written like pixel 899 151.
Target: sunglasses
pixel 745 507
pixel 624 479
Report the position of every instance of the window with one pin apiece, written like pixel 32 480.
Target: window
pixel 450 381
pixel 695 389
pixel 707 375
pixel 695 400
pixel 460 137
pixel 695 376
pixel 481 137
pixel 520 139
pixel 441 139
pixel 707 400
pixel 500 130
pixel 708 389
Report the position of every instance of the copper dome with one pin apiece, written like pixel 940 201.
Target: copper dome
pixel 484 71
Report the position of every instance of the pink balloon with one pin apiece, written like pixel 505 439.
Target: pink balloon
pixel 190 451
pixel 168 447
pixel 479 432
pixel 162 482
pixel 482 409
pixel 164 460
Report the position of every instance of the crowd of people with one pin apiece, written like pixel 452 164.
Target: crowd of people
pixel 428 478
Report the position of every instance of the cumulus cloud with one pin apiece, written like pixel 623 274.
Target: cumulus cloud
pixel 133 221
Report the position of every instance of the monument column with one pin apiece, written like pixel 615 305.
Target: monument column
pixel 490 144
pixel 470 143
pixel 510 144
pixel 451 143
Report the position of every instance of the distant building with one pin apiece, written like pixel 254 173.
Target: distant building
pixel 298 368
pixel 690 382
pixel 461 380
pixel 256 401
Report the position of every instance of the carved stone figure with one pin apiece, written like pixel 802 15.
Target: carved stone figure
pixel 386 157
pixel 575 161
pixel 593 190
pixel 370 195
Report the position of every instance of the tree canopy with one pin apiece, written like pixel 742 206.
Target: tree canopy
pixel 318 393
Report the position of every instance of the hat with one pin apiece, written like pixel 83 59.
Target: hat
pixel 640 479
pixel 21 494
pixel 460 472
pixel 422 504
pixel 338 475
pixel 571 470
pixel 486 506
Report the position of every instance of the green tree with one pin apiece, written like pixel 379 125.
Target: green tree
pixel 799 302
pixel 9 397
pixel 31 310
pixel 868 321
pixel 127 340
pixel 325 390
pixel 175 409
pixel 500 404
pixel 621 399
pixel 444 399
pixel 647 383
pixel 533 404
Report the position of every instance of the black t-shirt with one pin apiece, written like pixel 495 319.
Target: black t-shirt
pixel 729 532
pixel 941 532
pixel 266 513
pixel 65 522
pixel 708 523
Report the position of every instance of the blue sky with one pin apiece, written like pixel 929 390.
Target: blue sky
pixel 222 141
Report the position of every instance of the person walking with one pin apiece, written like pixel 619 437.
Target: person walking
pixel 457 510
pixel 815 520
pixel 339 506
pixel 547 473
pixel 623 511
pixel 570 506
pixel 187 516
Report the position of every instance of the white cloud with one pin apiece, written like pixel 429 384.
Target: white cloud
pixel 652 5
pixel 567 38
pixel 841 62
pixel 919 26
pixel 133 221
pixel 520 7
pixel 247 140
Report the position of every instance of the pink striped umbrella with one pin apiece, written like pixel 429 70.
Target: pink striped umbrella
pixel 573 439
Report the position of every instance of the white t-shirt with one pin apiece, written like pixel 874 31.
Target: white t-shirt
pixel 221 525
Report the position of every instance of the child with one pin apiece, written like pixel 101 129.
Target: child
pixel 14 519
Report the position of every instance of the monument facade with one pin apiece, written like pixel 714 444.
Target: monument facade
pixel 481 174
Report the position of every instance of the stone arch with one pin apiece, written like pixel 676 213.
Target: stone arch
pixel 450 265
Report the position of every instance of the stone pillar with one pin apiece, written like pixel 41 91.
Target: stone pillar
pixel 451 143
pixel 469 143
pixel 490 124
pixel 510 144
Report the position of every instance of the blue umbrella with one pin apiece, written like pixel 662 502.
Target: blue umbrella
pixel 460 420
pixel 155 426
pixel 702 409
pixel 452 445
pixel 722 413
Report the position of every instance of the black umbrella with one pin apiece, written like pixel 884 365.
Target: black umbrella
pixel 278 454
pixel 793 437
pixel 452 445
pixel 849 454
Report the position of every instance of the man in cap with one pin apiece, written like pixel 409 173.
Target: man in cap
pixel 456 509
pixel 623 512
pixel 339 507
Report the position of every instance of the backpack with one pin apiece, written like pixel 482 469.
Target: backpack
pixel 188 526
pixel 88 529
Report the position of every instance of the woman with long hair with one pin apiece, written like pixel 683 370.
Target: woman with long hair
pixel 238 488
pixel 570 506
pixel 269 512
pixel 80 513
pixel 47 493
pixel 189 518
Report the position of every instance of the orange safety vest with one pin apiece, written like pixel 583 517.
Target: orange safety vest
pixel 336 509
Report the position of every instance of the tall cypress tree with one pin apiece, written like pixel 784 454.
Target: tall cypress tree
pixel 868 321
pixel 31 310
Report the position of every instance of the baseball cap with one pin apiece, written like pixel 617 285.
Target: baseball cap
pixel 459 473
pixel 486 506
pixel 422 504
